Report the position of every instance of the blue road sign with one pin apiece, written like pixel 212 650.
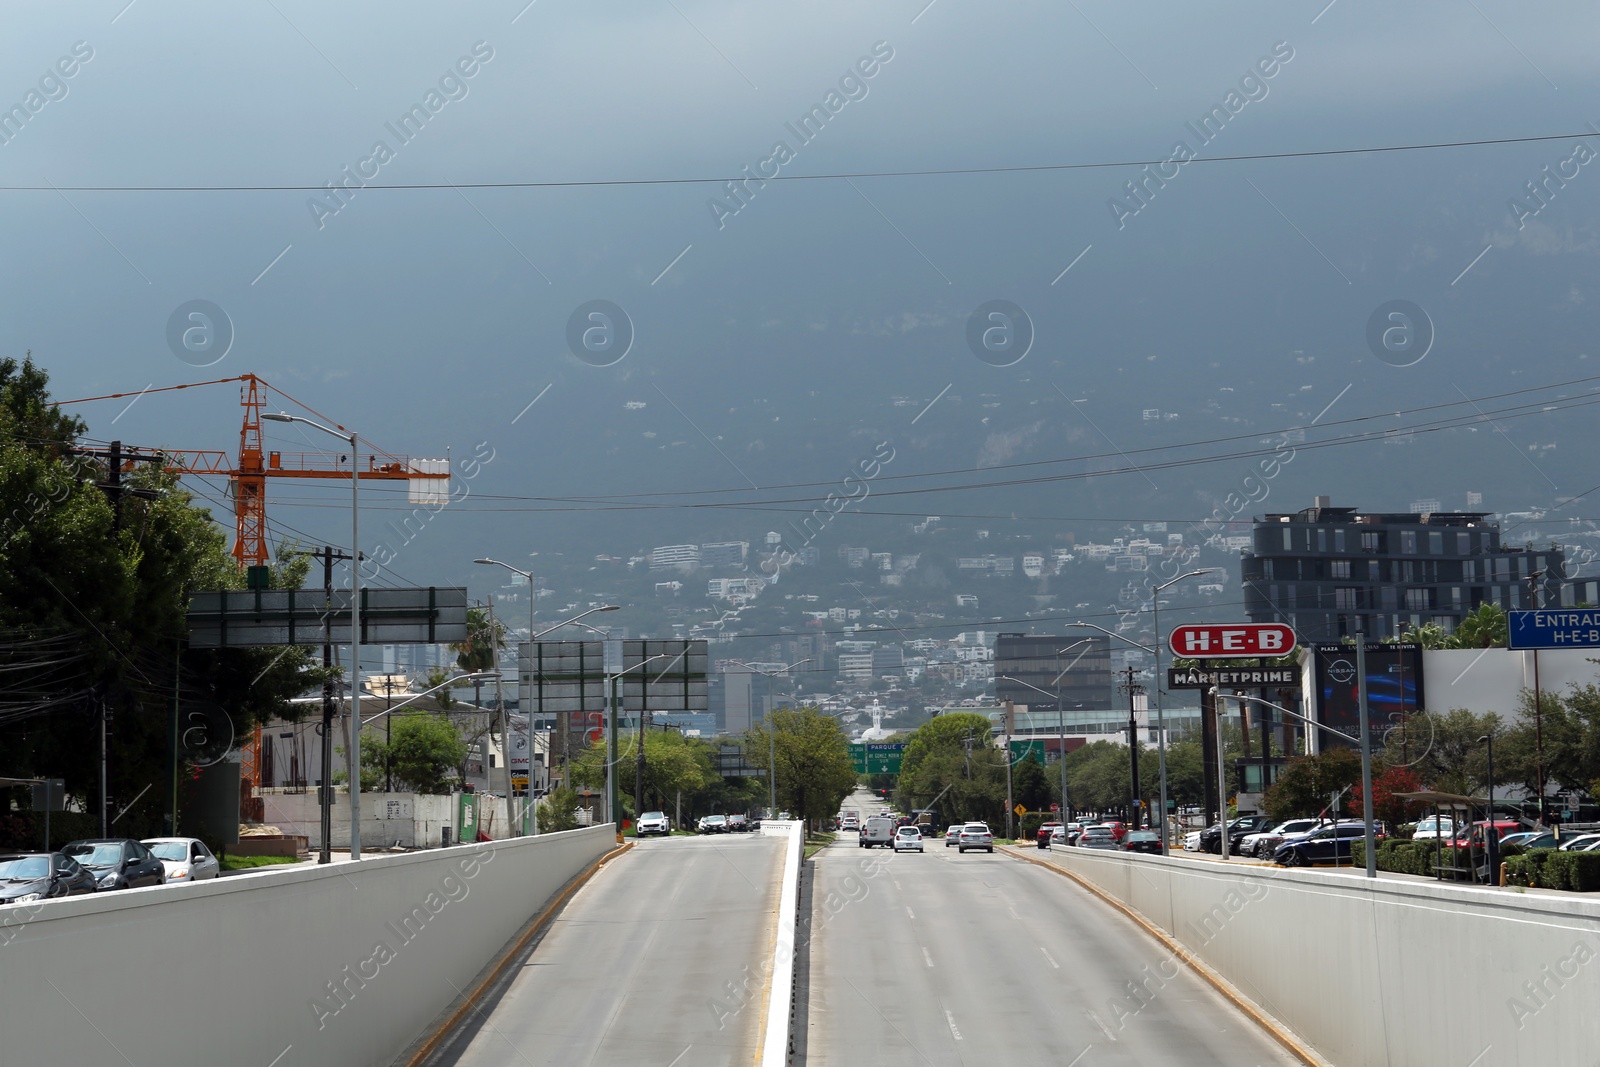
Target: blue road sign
pixel 1572 628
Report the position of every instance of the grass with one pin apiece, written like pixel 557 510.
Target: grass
pixel 817 842
pixel 244 863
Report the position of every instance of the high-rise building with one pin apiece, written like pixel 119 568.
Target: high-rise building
pixel 724 554
pixel 1329 572
pixel 1084 671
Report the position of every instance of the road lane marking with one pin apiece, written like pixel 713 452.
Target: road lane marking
pixel 955 1032
pixel 686 1049
pixel 909 913
pixel 926 957
pixel 1052 962
pixel 1076 1058
pixel 1103 1028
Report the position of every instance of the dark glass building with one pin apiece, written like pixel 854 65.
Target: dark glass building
pixel 1329 572
pixel 1033 658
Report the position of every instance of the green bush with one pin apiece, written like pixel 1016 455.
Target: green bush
pixel 1578 872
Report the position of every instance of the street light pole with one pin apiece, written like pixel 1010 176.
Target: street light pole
pixel 1362 741
pixel 1161 725
pixel 772 737
pixel 354 440
pixel 1491 839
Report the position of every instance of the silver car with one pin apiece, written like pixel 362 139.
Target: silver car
pixel 1098 837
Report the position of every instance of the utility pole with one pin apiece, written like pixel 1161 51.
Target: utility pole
pixel 328 555
pixel 1134 808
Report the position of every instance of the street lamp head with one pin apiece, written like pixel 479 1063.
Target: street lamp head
pixel 609 607
pixel 495 562
pixel 277 416
pixel 1485 737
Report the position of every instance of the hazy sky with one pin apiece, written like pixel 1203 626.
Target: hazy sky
pixel 772 331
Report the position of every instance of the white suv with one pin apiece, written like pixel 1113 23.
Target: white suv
pixel 908 839
pixel 654 822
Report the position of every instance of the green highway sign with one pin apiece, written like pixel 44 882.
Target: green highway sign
pixel 879 758
pixel 1020 750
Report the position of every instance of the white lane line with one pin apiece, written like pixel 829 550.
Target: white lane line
pixel 909 913
pixel 927 958
pixel 1103 1028
pixel 955 1032
pixel 1080 1056
pixel 1048 958
pixel 896 881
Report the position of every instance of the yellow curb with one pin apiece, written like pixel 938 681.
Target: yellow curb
pixel 1283 1037
pixel 432 1044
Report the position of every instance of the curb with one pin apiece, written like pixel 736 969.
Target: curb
pixel 1273 1029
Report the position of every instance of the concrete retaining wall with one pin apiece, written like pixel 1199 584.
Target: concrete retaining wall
pixel 345 963
pixel 409 820
pixel 1385 972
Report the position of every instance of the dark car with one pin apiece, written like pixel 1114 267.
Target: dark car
pixel 1328 844
pixel 1238 829
pixel 30 876
pixel 117 862
pixel 1142 841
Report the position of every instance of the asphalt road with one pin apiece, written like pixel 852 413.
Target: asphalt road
pixel 660 959
pixel 938 958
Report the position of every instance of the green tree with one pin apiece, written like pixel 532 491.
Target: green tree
pixel 423 755
pixel 1029 786
pixel 1445 752
pixel 814 772
pixel 558 810
pixel 1308 783
pixel 93 606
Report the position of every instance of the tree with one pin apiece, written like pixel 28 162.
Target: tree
pixel 814 772
pixel 94 595
pixel 1029 786
pixel 1308 783
pixel 423 754
pixel 558 810
pixel 1444 750
pixel 1385 805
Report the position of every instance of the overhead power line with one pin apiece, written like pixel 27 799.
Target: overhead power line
pixel 1040 168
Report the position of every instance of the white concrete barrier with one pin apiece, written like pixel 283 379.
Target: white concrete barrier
pixel 1384 972
pixel 345 963
pixel 780 997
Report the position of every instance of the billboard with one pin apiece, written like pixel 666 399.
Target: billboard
pixel 1394 689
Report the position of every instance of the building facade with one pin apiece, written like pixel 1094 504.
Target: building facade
pixel 1083 664
pixel 1330 572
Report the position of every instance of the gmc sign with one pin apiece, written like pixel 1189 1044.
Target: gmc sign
pixel 1231 640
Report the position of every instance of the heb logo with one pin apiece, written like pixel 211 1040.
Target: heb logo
pixel 1236 639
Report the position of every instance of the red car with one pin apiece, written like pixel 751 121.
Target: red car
pixel 1119 830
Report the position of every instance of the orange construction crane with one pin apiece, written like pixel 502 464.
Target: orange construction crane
pixel 429 479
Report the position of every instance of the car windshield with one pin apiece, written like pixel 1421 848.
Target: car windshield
pixel 647 815
pixel 177 851
pixel 28 868
pixel 96 853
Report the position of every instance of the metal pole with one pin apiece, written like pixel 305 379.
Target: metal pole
pixel 1538 707
pixel 1061 730
pixel 1221 707
pixel 1161 722
pixel 177 692
pixel 1366 756
pixel 638 773
pixel 772 768
pixel 1010 726
pixel 326 798
pixel 611 760
pixel 1134 810
pixel 527 712
pixel 1490 837
pixel 105 799
pixel 355 645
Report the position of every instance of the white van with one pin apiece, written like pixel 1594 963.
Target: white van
pixel 879 830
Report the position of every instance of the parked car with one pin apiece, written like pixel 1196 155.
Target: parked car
pixel 1580 843
pixel 1473 836
pixel 1327 844
pixel 952 834
pixel 975 835
pixel 1528 840
pixel 185 859
pixel 1191 840
pixel 878 831
pixel 1211 836
pixel 1434 827
pixel 1097 837
pixel 653 823
pixel 908 839
pixel 29 876
pixel 1263 842
pixel 1142 841
pixel 712 824
pixel 117 862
